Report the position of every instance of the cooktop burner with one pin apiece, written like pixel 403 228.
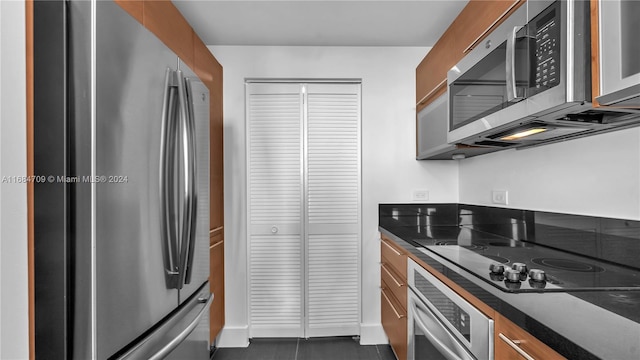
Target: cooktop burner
pixel 520 266
pixel 566 264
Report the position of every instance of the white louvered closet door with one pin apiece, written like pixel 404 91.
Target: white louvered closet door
pixel 333 209
pixel 304 209
pixel 274 113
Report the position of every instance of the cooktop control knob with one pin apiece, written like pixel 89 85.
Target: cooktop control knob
pixel 511 275
pixel 512 285
pixel 537 275
pixel 520 267
pixel 496 268
pixel 537 284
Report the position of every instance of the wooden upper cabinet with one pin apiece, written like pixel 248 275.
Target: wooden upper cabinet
pixel 473 24
pixel 166 22
pixel 431 74
pixel 209 71
pixel 478 19
pixel 133 7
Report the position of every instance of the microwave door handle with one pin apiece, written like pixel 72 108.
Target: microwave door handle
pixel 459 353
pixel 512 92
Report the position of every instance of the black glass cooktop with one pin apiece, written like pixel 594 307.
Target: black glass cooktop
pixel 476 252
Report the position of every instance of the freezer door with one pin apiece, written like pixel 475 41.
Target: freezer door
pixel 196 269
pixel 120 288
pixel 183 336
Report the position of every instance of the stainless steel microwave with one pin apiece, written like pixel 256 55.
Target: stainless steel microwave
pixel 529 81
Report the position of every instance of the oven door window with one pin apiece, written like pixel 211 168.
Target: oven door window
pixel 432 340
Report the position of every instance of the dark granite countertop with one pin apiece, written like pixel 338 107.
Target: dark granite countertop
pixel 578 325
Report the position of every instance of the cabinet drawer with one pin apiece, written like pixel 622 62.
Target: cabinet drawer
pixel 514 343
pixel 394 322
pixel 396 284
pixel 393 257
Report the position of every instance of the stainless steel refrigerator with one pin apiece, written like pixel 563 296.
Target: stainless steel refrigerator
pixel 121 150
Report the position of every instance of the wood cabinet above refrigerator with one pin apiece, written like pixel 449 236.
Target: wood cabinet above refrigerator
pixel 167 23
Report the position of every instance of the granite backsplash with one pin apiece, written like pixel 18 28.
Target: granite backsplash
pixel 609 239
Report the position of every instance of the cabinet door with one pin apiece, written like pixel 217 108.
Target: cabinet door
pixel 431 73
pixel 394 322
pixel 514 343
pixel 166 22
pixel 393 256
pixel 216 283
pixel 397 285
pixel 477 20
pixel 618 51
pixel 133 7
pixel 471 26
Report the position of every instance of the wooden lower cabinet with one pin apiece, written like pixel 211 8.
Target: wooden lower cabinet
pixel 514 343
pixel 393 256
pixel 394 322
pixel 216 283
pixel 393 295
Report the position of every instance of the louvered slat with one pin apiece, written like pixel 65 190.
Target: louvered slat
pixel 274 135
pixel 333 202
pixel 274 121
pixel 329 277
pixel 333 158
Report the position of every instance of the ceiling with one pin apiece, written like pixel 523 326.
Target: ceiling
pixel 320 23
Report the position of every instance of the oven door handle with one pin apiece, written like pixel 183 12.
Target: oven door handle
pixel 438 334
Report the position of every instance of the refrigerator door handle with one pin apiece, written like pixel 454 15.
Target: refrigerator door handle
pixel 171 345
pixel 166 183
pixel 189 201
pixel 194 181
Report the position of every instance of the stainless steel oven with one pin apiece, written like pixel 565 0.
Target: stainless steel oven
pixel 443 325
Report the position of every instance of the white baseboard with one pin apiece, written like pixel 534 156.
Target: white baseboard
pixel 372 334
pixel 233 337
pixel 238 336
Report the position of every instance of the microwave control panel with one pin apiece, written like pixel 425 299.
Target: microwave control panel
pixel 547 57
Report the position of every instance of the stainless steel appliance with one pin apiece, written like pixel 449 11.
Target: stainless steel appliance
pixel 442 325
pixel 530 82
pixel 121 131
pixel 619 52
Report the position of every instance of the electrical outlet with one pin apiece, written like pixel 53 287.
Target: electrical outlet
pixel 420 195
pixel 500 197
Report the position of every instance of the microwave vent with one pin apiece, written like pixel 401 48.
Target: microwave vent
pixel 588 116
pixel 492 143
pixel 598 116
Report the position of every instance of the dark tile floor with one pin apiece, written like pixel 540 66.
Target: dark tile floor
pixel 334 348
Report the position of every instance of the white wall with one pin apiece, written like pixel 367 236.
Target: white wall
pixel 598 175
pixel 389 170
pixel 14 338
